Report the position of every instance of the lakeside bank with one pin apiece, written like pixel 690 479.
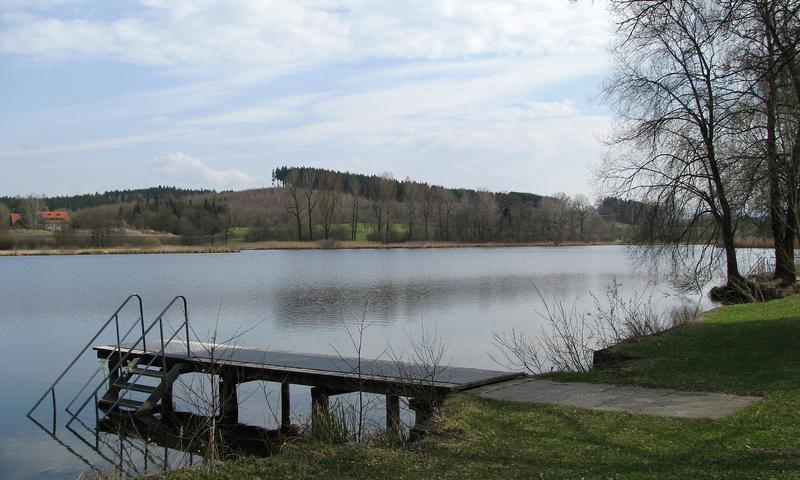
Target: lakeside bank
pixel 117 251
pixel 281 245
pixel 745 349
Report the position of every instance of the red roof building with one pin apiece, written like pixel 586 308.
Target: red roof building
pixel 54 218
pixel 15 218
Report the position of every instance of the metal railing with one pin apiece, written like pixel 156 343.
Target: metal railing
pixel 123 358
pixel 51 390
pixel 762 266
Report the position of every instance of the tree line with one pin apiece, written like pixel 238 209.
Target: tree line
pixel 323 203
pixel 112 197
pixel 200 218
pixel 314 204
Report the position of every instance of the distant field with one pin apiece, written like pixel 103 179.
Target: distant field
pixel 364 229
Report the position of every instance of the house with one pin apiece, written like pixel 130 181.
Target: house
pixel 58 220
pixel 15 217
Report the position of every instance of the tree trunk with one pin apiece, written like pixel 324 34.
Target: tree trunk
pixel 354 221
pixel 784 265
pixel 310 225
pixel 299 228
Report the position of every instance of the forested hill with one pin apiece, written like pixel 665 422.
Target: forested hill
pixel 113 197
pixel 363 186
pixel 311 203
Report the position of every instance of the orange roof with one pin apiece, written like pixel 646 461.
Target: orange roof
pixel 15 218
pixel 54 217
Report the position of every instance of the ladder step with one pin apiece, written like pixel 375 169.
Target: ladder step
pixel 122 402
pixel 136 387
pixel 148 373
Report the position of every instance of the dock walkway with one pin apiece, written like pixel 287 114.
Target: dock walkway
pixel 620 398
pixel 424 385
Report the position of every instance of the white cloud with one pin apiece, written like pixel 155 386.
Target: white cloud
pixel 457 108
pixel 426 88
pixel 297 34
pixel 192 171
pixel 287 108
pixel 96 144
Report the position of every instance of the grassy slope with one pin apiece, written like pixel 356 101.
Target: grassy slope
pixel 752 349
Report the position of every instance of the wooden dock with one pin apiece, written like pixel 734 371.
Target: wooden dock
pixel 328 375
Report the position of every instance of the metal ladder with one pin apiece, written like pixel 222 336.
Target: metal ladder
pixel 123 379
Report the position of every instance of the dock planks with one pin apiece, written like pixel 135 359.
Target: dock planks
pixel 330 371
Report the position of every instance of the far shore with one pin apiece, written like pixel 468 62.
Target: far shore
pixel 281 245
pixel 117 250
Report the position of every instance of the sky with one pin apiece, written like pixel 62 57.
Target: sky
pixel 489 94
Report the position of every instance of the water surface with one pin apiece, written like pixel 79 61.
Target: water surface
pixel 282 300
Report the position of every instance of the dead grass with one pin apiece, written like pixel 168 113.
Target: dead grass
pixel 324 244
pixel 279 245
pixel 757 242
pixel 118 250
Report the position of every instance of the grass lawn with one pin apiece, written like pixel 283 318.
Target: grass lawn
pixel 364 229
pixel 748 349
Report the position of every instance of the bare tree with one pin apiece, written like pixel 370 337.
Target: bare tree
pixel 309 181
pixel 411 197
pixel 329 196
pixel 354 217
pixel 445 204
pixel 383 193
pixel 294 203
pixel 427 199
pixel 582 207
pixel 31 206
pixel 562 221
pixel 5 217
pixel 675 100
pixel 100 221
pixel 485 214
pixel 767 47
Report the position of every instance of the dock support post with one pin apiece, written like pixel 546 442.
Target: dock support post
pixel 167 404
pixel 113 375
pixel 319 409
pixel 393 416
pixel 424 408
pixel 229 401
pixel 286 404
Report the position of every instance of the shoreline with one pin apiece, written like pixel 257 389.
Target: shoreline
pixel 281 245
pixel 469 434
pixel 116 251
pixel 299 245
pixel 360 245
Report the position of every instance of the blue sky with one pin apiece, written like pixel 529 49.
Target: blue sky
pixel 198 93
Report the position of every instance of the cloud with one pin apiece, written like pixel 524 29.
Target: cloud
pixel 96 144
pixel 192 171
pixel 296 34
pixel 432 89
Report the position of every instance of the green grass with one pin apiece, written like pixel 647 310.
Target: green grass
pixel 622 226
pixel 365 229
pixel 749 349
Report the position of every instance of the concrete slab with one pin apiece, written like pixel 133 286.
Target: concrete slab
pixel 631 399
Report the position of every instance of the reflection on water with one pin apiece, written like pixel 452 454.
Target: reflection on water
pixel 132 445
pixel 286 300
pixel 390 301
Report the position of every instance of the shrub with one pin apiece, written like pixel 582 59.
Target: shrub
pixel 7 242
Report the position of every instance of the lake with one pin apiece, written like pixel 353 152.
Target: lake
pixel 301 300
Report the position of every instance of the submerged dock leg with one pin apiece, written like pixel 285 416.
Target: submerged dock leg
pixel 167 403
pixel 229 401
pixel 286 411
pixel 393 415
pixel 320 412
pixel 113 376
